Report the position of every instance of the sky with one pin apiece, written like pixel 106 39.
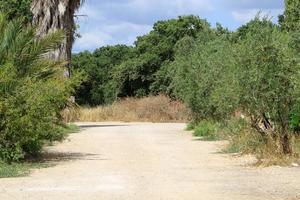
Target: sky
pixel 110 22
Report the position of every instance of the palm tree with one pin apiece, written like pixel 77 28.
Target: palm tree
pixel 51 15
pixel 33 90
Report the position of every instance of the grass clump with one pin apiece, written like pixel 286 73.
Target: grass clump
pixel 208 130
pixel 19 169
pixel 71 128
pixel 244 139
pixel 191 126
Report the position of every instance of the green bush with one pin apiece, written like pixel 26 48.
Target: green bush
pixel 267 78
pixel 191 126
pixel 204 78
pixel 33 90
pixel 295 118
pixel 208 130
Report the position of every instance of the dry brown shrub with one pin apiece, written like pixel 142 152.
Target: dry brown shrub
pixel 149 109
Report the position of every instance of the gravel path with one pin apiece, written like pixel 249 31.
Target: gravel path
pixel 143 161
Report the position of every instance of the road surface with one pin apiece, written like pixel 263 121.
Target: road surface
pixel 144 161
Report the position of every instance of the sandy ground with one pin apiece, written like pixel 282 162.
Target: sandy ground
pixel 142 161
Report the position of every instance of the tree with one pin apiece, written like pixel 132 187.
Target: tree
pixel 100 66
pixel 33 90
pixel 52 15
pixel 203 76
pixel 16 9
pixel 251 28
pixel 267 77
pixel 155 50
pixel 290 20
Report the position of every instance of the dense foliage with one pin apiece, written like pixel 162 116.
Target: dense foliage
pixel 291 17
pixel 33 90
pixel 100 87
pixel 267 76
pixel 202 73
pixel 121 71
pixel 253 70
pixel 16 9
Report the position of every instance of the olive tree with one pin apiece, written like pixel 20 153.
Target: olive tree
pixel 267 69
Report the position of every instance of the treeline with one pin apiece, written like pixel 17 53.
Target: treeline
pixel 215 72
pixel 121 71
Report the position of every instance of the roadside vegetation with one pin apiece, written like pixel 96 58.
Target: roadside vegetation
pixel 242 86
pixel 149 109
pixel 33 91
pixel 20 169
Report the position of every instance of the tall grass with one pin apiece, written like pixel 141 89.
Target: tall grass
pixel 149 109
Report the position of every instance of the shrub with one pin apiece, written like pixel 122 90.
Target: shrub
pixel 33 90
pixel 295 119
pixel 191 126
pixel 245 141
pixel 203 76
pixel 208 130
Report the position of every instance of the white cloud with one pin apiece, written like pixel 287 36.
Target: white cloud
pixel 109 34
pixel 90 11
pixel 253 4
pixel 174 5
pixel 91 40
pixel 109 22
pixel 245 15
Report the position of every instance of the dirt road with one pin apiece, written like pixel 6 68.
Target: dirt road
pixel 142 161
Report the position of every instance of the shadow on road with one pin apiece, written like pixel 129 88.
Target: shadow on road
pixel 56 157
pixel 99 126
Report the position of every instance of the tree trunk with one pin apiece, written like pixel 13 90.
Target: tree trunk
pixel 286 146
pixel 52 15
pixel 285 138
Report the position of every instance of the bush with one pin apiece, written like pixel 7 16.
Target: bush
pixel 245 141
pixel 203 76
pixel 208 130
pixel 191 126
pixel 33 90
pixel 295 119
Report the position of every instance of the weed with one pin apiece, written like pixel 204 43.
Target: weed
pixel 191 126
pixel 19 169
pixel 208 131
pixel 71 128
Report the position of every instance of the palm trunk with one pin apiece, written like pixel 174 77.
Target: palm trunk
pixel 52 15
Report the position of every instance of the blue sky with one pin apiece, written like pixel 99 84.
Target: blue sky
pixel 110 22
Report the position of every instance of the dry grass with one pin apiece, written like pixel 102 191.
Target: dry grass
pixel 150 109
pixel 268 151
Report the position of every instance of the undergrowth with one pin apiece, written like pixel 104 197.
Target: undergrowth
pixel 19 169
pixel 24 167
pixel 148 109
pixel 242 139
pixel 208 130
